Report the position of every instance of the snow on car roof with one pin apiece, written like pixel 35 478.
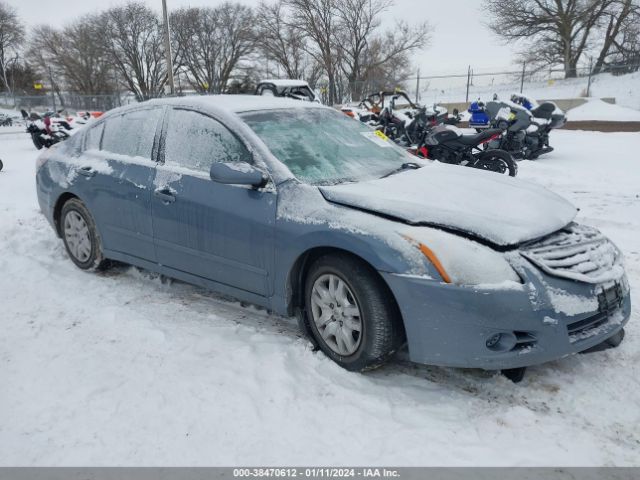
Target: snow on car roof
pixel 286 82
pixel 237 103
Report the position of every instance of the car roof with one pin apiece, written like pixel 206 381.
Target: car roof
pixel 235 103
pixel 285 82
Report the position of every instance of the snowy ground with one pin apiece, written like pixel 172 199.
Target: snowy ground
pixel 121 369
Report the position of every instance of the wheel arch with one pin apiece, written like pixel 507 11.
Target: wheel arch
pixel 57 209
pixel 298 272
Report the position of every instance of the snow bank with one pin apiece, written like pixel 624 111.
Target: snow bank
pixel 596 109
pixel 624 88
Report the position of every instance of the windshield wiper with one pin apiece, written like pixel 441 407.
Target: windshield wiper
pixel 403 167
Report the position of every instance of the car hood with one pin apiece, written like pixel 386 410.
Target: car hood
pixel 501 210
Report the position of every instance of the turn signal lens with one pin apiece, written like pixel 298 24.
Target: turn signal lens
pixel 427 252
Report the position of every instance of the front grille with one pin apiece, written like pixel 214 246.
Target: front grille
pixel 577 253
pixel 583 326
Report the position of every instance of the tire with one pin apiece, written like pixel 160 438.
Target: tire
pixel 1 165
pixel 612 342
pixel 80 236
pixel 381 332
pixel 36 141
pixel 498 161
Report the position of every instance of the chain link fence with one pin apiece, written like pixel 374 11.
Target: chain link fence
pixel 539 83
pixel 461 88
pixel 65 101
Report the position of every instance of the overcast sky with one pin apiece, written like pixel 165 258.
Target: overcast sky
pixel 458 39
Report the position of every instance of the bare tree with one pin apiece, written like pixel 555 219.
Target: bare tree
pixel 73 54
pixel 622 18
pixel 318 21
pixel 365 52
pixel 552 31
pixel 11 39
pixel 134 40
pixel 279 40
pixel 212 42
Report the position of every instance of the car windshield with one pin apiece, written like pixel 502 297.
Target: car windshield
pixel 324 147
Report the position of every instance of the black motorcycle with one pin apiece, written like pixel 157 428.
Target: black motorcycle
pixel 449 145
pixel 46 131
pixel 526 133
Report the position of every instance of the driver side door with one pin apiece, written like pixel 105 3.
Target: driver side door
pixel 221 233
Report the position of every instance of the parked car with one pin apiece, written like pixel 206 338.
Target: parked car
pixel 296 89
pixel 295 207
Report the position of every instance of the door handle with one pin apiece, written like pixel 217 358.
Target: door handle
pixel 87 171
pixel 166 195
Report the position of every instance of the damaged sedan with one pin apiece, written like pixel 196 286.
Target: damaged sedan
pixel 297 208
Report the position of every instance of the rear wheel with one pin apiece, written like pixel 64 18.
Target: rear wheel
pixel 351 314
pixel 80 236
pixel 497 161
pixel 1 165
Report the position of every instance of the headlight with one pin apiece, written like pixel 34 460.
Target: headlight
pixel 459 260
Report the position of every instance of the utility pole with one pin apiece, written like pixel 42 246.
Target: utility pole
pixel 468 82
pixel 53 90
pixel 167 48
pixel 418 87
pixel 590 71
pixel 524 66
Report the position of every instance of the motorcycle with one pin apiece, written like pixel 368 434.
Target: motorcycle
pixel 526 124
pixel 448 144
pixel 5 120
pixel 479 116
pixel 546 117
pixel 46 130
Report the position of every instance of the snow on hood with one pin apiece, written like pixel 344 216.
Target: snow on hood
pixel 499 209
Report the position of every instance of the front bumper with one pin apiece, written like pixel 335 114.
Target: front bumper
pixel 454 326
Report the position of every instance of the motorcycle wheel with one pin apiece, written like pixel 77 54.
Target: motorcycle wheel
pixel 497 161
pixel 1 165
pixel 36 141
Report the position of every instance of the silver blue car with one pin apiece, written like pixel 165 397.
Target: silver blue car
pixel 298 208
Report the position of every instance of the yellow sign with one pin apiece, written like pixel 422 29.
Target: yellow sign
pixel 381 135
pixel 37 86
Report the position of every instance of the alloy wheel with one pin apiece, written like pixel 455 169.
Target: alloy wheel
pixel 77 236
pixel 336 314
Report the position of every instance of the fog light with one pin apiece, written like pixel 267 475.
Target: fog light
pixel 493 340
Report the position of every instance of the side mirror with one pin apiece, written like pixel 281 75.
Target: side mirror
pixel 237 173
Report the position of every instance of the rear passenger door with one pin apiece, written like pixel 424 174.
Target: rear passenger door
pixel 222 233
pixel 122 188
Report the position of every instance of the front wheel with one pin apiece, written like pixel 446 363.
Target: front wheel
pixel 37 141
pixel 497 161
pixel 1 165
pixel 351 313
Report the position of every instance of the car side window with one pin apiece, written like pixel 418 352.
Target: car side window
pixel 74 145
pixel 132 133
pixel 93 137
pixel 196 141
